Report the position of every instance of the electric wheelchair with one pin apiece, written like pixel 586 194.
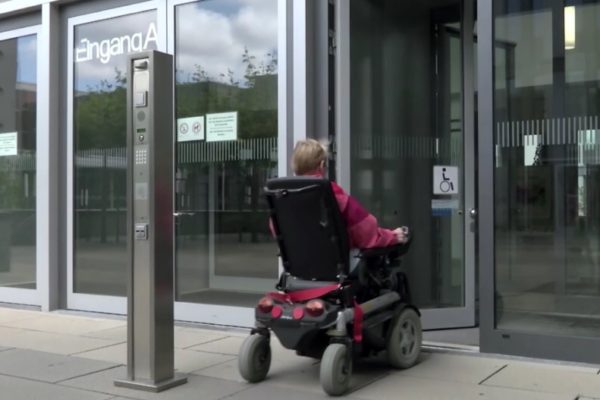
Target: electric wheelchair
pixel 322 308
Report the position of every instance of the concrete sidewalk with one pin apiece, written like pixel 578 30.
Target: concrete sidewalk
pixel 64 356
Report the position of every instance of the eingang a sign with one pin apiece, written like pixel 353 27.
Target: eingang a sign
pixel 105 49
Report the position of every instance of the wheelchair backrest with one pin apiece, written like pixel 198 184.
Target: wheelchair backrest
pixel 310 231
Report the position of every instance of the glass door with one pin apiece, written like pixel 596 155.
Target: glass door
pixel 99 45
pixel 227 144
pixel 411 139
pixel 543 291
pixel 18 138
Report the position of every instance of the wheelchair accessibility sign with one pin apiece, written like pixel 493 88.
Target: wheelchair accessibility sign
pixel 445 179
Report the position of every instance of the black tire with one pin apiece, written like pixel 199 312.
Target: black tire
pixel 335 371
pixel 403 343
pixel 254 359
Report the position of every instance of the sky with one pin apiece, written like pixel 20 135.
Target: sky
pixel 212 33
pixel 26 56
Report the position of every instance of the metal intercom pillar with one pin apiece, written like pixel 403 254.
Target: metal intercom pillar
pixel 150 126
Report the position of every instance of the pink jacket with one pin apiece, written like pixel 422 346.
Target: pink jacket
pixel 363 230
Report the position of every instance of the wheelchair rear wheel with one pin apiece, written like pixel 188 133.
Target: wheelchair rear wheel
pixel 403 342
pixel 336 369
pixel 254 359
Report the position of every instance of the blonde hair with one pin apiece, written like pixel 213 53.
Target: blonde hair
pixel 308 156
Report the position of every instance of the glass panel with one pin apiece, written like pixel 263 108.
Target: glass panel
pixel 99 130
pixel 226 93
pixel 547 184
pixel 18 104
pixel 406 120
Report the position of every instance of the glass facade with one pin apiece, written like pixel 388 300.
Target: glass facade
pixel 18 110
pixel 547 167
pixel 225 253
pixel 407 135
pixel 99 131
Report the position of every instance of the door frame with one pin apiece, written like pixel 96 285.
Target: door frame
pixel 239 315
pixel 435 318
pixel 196 312
pixel 32 296
pixel 537 344
pixel 83 301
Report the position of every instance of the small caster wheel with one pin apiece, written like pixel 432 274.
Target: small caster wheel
pixel 336 369
pixel 254 359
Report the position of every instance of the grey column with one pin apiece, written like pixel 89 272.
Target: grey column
pixel 150 194
pixel 47 169
pixel 485 225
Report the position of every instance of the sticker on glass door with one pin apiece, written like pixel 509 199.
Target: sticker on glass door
pixel 445 179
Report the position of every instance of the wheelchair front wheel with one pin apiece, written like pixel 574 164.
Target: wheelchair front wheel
pixel 254 359
pixel 403 342
pixel 336 369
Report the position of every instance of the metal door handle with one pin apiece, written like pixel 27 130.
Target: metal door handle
pixel 473 212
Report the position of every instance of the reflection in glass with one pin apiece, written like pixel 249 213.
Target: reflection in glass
pixel 406 118
pixel 18 94
pixel 547 178
pixel 226 62
pixel 99 130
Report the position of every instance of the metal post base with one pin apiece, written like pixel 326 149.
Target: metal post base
pixel 148 386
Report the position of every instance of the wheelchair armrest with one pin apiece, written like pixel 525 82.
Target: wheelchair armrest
pixel 393 251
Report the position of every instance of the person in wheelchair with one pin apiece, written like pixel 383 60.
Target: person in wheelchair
pixel 322 308
pixel 309 159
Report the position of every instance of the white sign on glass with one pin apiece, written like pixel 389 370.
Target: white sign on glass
pixel 105 49
pixel 189 129
pixel 8 144
pixel 221 126
pixel 445 179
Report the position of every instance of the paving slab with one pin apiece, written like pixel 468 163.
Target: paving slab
pixel 118 398
pixel 184 337
pixel 229 370
pixel 8 315
pixel 555 365
pixel 116 353
pixel 264 391
pixel 64 324
pixel 118 333
pixel 301 374
pixel 398 386
pixel 187 361
pixel 227 345
pixel 23 389
pixel 49 342
pixel 198 387
pixel 547 379
pixel 231 345
pixel 454 368
pixel 47 367
pixel 189 337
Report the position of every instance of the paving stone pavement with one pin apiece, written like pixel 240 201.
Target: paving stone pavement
pixel 64 356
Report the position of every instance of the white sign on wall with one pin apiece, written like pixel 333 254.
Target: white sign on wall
pixel 8 144
pixel 445 179
pixel 221 126
pixel 189 129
